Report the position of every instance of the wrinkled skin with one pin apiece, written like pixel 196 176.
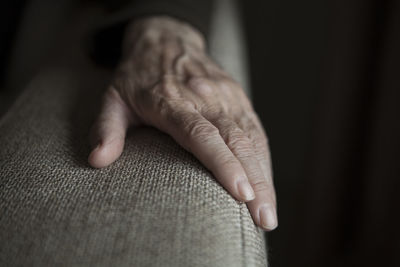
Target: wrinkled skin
pixel 167 80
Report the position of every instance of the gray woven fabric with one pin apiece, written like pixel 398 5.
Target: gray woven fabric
pixel 156 206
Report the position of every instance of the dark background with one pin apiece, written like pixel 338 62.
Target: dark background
pixel 326 83
pixel 287 60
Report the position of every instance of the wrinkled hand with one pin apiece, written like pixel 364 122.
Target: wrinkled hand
pixel 166 80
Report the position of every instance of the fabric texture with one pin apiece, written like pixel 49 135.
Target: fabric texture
pixel 155 206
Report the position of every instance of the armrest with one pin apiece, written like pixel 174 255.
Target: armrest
pixel 156 206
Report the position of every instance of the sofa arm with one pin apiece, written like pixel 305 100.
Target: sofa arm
pixel 155 206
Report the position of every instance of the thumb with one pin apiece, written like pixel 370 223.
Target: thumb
pixel 108 132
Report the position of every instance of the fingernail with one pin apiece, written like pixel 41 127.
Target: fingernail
pixel 245 190
pixel 268 218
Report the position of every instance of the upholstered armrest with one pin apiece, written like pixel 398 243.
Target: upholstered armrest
pixel 155 206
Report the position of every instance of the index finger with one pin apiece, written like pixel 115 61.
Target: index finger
pixel 200 137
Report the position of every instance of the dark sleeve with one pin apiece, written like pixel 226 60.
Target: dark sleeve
pixel 105 42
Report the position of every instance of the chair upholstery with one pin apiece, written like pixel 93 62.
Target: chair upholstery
pixel 155 206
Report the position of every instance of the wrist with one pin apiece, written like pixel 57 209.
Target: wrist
pixel 161 29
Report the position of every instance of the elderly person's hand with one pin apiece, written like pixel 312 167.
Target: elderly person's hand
pixel 166 80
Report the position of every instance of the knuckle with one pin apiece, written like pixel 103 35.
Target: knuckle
pixel 227 160
pixel 201 129
pixel 261 141
pixel 168 87
pixel 240 143
pixel 162 106
pixel 178 112
pixel 260 185
pixel 235 139
pixel 187 105
pixel 212 111
pixel 197 81
pixel 257 138
pixel 201 86
pixel 256 135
